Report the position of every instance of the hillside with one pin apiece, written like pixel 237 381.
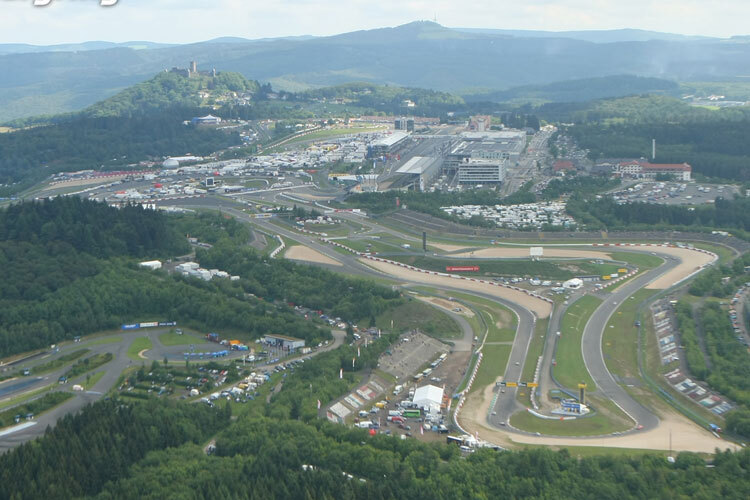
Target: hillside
pixel 387 99
pixel 421 54
pixel 713 141
pixel 142 122
pixel 171 89
pixel 580 90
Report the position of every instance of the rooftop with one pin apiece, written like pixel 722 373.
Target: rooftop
pixel 390 140
pixel 416 165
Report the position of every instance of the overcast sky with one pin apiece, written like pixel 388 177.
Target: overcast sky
pixel 183 21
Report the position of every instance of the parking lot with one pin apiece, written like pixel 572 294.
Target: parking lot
pixel 413 351
pixel 674 193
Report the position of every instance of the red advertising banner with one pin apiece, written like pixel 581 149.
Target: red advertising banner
pixel 462 269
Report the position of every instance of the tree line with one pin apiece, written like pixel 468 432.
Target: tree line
pixel 729 214
pixel 100 444
pixel 268 458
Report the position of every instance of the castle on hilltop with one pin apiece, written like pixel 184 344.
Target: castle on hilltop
pixel 192 71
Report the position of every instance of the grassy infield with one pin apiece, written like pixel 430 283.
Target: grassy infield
pixel 618 347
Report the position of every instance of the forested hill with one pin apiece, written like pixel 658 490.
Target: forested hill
pixel 166 90
pixel 580 90
pixel 91 227
pixel 386 98
pixel 713 141
pixel 170 89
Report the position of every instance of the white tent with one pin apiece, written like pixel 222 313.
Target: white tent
pixel 429 398
pixel 573 284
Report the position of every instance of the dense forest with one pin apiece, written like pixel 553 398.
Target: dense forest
pixel 711 141
pixel 730 214
pixel 85 452
pixel 70 271
pixel 312 287
pixel 719 359
pixel 728 370
pixel 91 227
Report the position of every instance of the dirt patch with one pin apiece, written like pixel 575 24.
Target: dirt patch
pixel 142 354
pixel 306 254
pixel 540 307
pixel 504 318
pixel 83 182
pixel 521 252
pixel 448 248
pixel 312 197
pixel 448 306
pixel 692 260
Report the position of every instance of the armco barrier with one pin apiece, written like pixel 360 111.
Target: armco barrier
pixel 279 248
pixel 532 393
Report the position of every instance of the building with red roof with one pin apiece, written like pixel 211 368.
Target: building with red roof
pixel 646 170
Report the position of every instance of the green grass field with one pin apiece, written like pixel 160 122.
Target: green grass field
pixel 595 425
pixel 24 397
pixel 92 380
pixel 59 362
pixel 536 347
pixel 642 260
pixel 330 229
pixel 416 314
pixel 494 362
pixel 371 245
pixel 620 340
pixel 570 369
pixel 138 345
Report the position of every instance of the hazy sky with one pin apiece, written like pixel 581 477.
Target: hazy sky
pixel 196 20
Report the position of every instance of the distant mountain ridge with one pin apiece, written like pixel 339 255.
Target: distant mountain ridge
pixel 594 36
pixel 421 54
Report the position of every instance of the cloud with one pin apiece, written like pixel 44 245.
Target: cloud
pixel 195 20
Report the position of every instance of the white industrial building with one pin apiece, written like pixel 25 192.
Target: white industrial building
pixel 151 264
pixel 429 398
pixel 288 343
pixel 387 144
pixel 419 171
pixel 476 171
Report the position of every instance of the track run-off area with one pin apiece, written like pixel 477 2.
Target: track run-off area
pixel 486 411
